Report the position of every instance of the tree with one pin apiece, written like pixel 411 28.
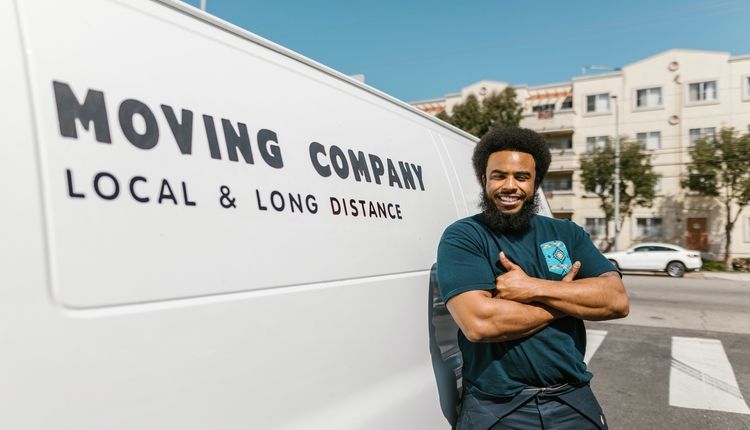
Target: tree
pixel 444 116
pixel 496 110
pixel 720 169
pixel 503 110
pixel 637 180
pixel 469 117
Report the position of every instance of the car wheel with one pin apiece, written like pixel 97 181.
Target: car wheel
pixel 614 263
pixel 675 269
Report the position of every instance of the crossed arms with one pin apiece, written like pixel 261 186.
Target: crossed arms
pixel 522 305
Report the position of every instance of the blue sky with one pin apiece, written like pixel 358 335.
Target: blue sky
pixel 418 50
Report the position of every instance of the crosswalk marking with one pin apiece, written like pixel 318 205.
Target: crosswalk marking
pixel 701 377
pixel 594 339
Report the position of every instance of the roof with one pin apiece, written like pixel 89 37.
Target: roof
pixel 656 244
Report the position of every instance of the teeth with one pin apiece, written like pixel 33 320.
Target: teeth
pixel 508 198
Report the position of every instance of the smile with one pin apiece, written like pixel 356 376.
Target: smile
pixel 508 200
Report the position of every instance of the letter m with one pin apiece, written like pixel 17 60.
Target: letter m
pixel 69 110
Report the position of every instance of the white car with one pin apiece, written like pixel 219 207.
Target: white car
pixel 673 259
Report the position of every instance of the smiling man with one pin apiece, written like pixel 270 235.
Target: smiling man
pixel 510 282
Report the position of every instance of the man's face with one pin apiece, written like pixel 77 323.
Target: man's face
pixel 509 180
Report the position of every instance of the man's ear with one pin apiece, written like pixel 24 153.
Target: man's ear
pixel 484 181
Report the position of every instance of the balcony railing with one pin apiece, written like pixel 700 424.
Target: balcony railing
pixel 547 121
pixel 545 114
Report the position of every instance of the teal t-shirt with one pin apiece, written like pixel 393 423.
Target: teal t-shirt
pixel 468 259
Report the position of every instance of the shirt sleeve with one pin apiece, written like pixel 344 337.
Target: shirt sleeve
pixel 462 263
pixel 593 263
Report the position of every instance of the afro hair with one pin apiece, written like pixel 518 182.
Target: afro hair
pixel 512 139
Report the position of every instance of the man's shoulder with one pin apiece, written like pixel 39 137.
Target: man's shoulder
pixel 561 229
pixel 558 224
pixel 470 224
pixel 467 230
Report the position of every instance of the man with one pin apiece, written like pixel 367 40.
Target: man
pixel 509 282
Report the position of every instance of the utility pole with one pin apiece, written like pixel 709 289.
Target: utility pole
pixel 617 174
pixel 203 5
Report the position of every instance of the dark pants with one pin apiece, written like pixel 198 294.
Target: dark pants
pixel 562 408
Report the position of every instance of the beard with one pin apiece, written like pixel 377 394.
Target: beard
pixel 500 222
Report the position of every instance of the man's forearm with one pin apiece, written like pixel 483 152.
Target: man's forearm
pixel 599 298
pixel 499 320
pixel 523 322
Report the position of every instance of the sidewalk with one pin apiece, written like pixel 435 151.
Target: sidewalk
pixel 732 276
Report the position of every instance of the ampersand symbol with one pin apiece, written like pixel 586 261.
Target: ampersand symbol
pixel 226 201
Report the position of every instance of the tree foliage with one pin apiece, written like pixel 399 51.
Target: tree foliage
pixel 503 110
pixel 720 168
pixel 496 110
pixel 468 116
pixel 637 180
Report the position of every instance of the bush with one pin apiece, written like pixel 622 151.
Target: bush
pixel 740 264
pixel 713 266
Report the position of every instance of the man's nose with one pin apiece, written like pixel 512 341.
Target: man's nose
pixel 509 184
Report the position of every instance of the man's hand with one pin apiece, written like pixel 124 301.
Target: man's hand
pixel 516 285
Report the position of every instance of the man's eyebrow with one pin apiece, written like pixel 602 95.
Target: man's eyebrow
pixel 517 172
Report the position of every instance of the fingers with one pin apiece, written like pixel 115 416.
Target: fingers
pixel 573 272
pixel 509 265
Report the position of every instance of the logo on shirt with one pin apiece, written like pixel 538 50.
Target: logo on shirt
pixel 556 255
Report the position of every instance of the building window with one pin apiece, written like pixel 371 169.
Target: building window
pixel 595 227
pixel 648 227
pixel 702 91
pixel 558 182
pixel 697 133
pixel 650 140
pixel 596 142
pixel 567 103
pixel 747 229
pixel 747 88
pixel 648 97
pixel 657 185
pixel 597 103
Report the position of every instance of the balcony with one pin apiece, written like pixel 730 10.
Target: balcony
pixel 563 160
pixel 548 121
pixel 561 201
pixel 545 114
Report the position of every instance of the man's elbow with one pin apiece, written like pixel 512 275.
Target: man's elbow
pixel 476 331
pixel 625 309
pixel 620 308
pixel 482 331
pixel 619 304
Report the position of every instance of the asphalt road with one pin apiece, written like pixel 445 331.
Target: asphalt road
pixel 635 368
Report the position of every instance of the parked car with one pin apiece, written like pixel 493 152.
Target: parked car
pixel 673 259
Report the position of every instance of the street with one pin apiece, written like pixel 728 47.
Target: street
pixel 681 360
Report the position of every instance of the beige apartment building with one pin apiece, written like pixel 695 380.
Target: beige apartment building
pixel 666 101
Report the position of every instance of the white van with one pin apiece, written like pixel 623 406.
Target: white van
pixel 203 230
